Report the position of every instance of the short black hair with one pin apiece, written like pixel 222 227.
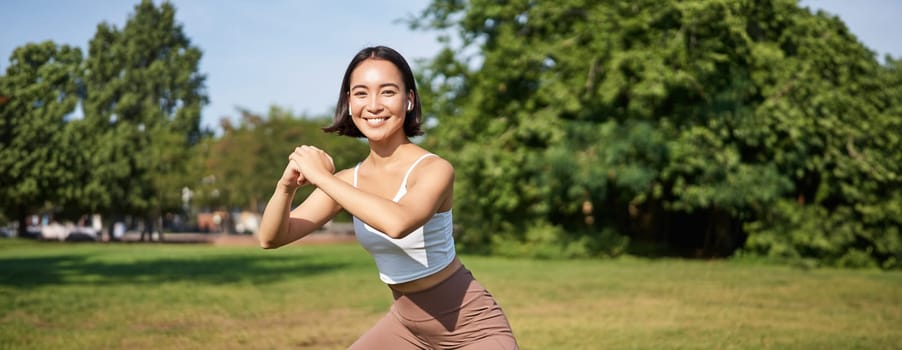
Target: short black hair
pixel 344 125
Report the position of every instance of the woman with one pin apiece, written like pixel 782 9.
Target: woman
pixel 401 197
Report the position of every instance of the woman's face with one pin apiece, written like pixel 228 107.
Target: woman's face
pixel 378 100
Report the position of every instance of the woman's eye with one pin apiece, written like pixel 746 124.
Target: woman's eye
pixel 360 94
pixel 389 93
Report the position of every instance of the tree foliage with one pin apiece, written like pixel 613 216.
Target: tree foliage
pixel 138 144
pixel 707 126
pixel 39 90
pixel 142 111
pixel 141 95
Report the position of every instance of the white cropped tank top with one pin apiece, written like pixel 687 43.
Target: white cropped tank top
pixel 423 252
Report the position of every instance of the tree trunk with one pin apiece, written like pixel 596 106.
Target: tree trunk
pixel 147 230
pixel 22 215
pixel 159 221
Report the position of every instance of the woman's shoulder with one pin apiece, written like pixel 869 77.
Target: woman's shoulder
pixel 346 175
pixel 424 157
pixel 436 160
pixel 417 152
pixel 433 163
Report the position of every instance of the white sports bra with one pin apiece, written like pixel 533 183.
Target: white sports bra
pixel 423 252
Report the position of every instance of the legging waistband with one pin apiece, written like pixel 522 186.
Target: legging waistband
pixel 459 275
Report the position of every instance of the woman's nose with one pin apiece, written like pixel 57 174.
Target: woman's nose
pixel 373 104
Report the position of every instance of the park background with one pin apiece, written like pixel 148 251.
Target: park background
pixel 596 144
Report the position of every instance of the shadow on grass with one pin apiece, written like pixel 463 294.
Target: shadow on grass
pixel 31 272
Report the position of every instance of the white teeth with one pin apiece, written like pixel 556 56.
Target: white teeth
pixel 376 121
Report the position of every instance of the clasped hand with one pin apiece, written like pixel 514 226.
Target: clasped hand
pixel 305 165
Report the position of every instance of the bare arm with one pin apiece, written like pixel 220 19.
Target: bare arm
pixel 432 187
pixel 279 225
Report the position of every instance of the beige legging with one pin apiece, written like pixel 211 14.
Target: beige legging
pixel 458 313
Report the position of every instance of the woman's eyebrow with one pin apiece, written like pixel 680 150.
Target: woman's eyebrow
pixel 396 86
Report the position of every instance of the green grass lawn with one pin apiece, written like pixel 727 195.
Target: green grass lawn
pixel 171 296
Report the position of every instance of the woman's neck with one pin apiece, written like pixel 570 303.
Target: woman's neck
pixel 385 153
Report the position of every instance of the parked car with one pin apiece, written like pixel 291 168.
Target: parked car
pixel 54 231
pixel 82 234
pixel 68 232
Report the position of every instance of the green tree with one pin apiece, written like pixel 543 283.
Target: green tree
pixel 683 124
pixel 142 110
pixel 835 116
pixel 40 91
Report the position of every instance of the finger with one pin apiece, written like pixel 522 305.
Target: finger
pixel 302 150
pixel 296 167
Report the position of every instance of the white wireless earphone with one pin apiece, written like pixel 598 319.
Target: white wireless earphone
pixel 349 111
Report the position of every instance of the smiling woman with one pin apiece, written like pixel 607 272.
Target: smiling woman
pixel 381 86
pixel 401 197
pixel 379 98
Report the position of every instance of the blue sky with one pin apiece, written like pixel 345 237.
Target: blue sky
pixel 293 53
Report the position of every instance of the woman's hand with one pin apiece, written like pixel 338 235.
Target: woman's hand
pixel 304 160
pixel 312 163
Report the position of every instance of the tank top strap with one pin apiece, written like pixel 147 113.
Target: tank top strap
pixel 404 181
pixel 355 174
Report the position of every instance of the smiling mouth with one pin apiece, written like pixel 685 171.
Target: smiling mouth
pixel 375 121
